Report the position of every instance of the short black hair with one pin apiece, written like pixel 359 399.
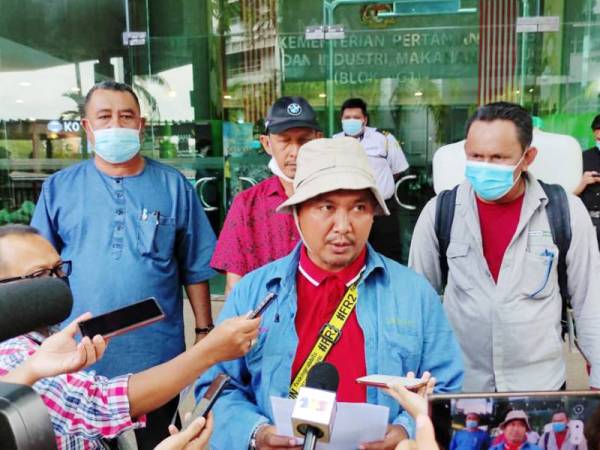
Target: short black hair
pixel 596 123
pixel 355 103
pixel 110 85
pixel 512 112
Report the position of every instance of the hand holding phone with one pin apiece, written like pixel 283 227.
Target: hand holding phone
pixel 386 381
pixel 210 397
pixel 123 320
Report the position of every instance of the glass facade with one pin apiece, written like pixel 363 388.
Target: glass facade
pixel 206 72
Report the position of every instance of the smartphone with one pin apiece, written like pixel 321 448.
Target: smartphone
pixel 263 305
pixel 388 380
pixel 449 413
pixel 123 320
pixel 210 397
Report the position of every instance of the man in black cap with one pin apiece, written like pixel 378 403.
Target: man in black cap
pixel 589 187
pixel 253 233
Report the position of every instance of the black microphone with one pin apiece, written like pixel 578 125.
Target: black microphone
pixel 33 303
pixel 315 408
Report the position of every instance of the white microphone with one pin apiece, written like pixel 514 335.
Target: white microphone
pixel 314 411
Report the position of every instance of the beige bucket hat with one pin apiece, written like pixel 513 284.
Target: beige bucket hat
pixel 516 414
pixel 326 165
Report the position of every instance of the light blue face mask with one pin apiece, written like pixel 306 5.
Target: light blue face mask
pixel 491 181
pixel 598 145
pixel 559 427
pixel 352 127
pixel 471 424
pixel 117 145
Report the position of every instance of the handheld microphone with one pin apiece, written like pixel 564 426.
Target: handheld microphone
pixel 315 408
pixel 33 303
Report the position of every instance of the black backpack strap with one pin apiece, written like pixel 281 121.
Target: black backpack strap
pixel 559 218
pixel 444 216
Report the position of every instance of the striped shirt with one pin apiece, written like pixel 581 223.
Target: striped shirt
pixel 84 408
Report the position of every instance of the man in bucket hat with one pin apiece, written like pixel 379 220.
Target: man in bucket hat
pixel 398 325
pixel 253 233
pixel 515 428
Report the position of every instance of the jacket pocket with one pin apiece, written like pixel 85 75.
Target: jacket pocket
pixel 156 238
pixel 458 255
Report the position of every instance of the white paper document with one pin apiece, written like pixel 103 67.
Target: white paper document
pixel 354 424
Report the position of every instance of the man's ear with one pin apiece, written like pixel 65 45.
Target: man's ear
pixel 264 140
pixel 529 157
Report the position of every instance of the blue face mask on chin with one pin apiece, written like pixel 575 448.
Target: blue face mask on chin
pixel 598 145
pixel 559 427
pixel 117 145
pixel 491 181
pixel 352 127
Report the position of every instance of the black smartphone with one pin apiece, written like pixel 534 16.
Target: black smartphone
pixel 263 305
pixel 210 397
pixel 123 320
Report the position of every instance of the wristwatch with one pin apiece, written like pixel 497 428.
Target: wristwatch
pixel 207 329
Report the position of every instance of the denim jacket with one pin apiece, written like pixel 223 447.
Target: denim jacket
pixel 402 319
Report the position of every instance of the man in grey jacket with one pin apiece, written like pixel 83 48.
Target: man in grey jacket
pixel 502 293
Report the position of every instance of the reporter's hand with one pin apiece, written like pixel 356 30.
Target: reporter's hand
pixel 194 437
pixel 414 403
pixel 394 435
pixel 60 353
pixel 589 177
pixel 232 338
pixel 268 439
pixel 425 436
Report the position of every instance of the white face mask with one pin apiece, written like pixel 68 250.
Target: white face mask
pixel 276 170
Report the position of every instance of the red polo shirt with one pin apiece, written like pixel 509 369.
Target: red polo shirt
pixel 319 293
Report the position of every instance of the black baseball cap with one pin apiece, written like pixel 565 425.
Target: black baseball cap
pixel 291 112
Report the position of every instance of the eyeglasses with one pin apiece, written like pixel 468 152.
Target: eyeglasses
pixel 61 270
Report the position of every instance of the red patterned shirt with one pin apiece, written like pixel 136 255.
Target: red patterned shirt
pixel 84 408
pixel 253 233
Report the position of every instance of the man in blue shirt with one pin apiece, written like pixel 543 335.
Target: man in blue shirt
pixel 394 311
pixel 133 228
pixel 472 437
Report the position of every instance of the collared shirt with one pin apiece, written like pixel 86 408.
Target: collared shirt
pixel 591 194
pixel 129 238
pixel 470 440
pixel 83 407
pixel 525 446
pixel 385 156
pixel 254 234
pixel 510 331
pixel 402 320
pixel 319 294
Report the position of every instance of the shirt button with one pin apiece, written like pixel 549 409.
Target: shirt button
pixel 119 194
pixel 118 180
pixel 119 211
pixel 119 227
